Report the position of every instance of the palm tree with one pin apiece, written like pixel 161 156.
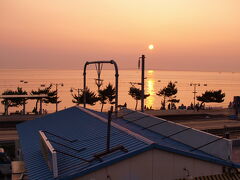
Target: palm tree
pixel 136 94
pixel 91 97
pixel 168 92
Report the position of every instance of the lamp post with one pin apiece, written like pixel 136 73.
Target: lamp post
pixel 56 84
pixel 24 100
pixel 195 91
pixel 78 90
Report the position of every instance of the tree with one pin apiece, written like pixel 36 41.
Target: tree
pixel 91 98
pixel 110 93
pixel 169 93
pixel 211 97
pixel 52 96
pixel 107 94
pixel 102 96
pixel 136 94
pixel 13 102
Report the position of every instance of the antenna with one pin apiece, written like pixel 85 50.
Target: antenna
pixel 108 149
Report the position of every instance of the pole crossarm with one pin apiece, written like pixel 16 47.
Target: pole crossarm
pixel 116 79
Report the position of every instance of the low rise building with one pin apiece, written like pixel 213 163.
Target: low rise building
pixel 78 143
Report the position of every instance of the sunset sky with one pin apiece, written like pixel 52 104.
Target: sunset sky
pixel 199 35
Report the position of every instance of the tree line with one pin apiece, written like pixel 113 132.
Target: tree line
pixel 167 93
pixel 108 95
pixel 18 101
pixel 104 96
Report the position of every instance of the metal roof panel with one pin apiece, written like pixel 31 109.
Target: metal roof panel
pixel 72 123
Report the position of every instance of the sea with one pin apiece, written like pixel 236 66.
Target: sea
pixel 32 79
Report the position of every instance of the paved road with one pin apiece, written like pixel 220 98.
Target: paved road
pixel 18 118
pixel 8 135
pixel 8 125
pixel 211 124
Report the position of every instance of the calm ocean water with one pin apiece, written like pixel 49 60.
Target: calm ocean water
pixel 227 81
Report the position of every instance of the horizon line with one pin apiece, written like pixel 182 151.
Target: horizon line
pixel 148 69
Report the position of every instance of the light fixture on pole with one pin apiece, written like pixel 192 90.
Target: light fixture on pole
pixel 78 90
pixel 195 92
pixel 57 84
pixel 24 99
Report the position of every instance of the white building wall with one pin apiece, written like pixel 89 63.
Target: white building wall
pixel 168 166
pixel 154 165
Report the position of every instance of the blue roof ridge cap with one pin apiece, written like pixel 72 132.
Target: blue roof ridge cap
pixel 145 114
pixel 182 125
pixel 137 136
pixel 150 115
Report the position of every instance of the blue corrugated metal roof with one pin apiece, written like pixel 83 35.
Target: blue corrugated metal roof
pixel 72 123
pixel 171 145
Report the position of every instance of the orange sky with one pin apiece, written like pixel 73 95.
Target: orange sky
pixel 188 34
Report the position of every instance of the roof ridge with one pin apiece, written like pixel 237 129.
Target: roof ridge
pixel 136 135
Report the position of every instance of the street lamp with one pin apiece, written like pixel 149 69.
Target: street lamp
pixel 56 84
pixel 195 91
pixel 78 90
pixel 24 99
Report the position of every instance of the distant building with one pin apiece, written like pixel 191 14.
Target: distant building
pixel 72 144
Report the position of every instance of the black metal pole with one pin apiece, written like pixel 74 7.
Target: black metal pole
pixel 109 128
pixel 24 106
pixel 142 83
pixel 41 109
pixel 194 97
pixel 116 84
pixel 84 84
pixel 56 97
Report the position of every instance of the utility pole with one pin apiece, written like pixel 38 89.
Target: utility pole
pixel 195 92
pixel 142 82
pixel 56 97
pixel 61 84
pixel 24 99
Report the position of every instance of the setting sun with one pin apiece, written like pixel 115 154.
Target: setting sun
pixel 151 47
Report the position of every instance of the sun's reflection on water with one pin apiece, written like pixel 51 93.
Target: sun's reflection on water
pixel 150 89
